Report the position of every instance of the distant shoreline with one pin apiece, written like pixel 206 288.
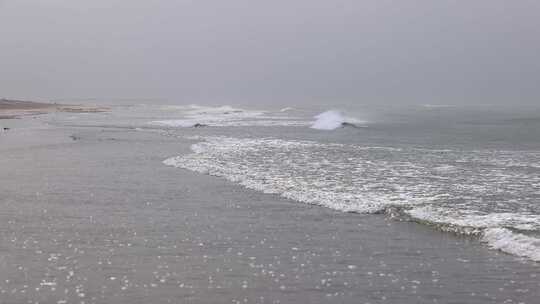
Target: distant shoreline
pixel 14 109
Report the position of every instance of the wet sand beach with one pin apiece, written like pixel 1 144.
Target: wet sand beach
pixel 365 152
pixel 91 215
pixel 11 109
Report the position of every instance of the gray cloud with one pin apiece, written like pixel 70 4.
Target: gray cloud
pixel 249 51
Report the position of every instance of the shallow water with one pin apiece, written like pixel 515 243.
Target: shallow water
pixel 467 170
pixel 90 213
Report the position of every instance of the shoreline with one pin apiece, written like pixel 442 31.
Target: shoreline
pixel 15 109
pixel 100 219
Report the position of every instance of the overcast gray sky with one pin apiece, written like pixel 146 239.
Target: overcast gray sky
pixel 406 51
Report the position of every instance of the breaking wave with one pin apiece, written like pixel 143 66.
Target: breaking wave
pixel 333 119
pixel 225 116
pixel 469 192
pixel 513 243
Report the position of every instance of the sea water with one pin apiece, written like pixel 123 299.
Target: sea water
pixel 471 170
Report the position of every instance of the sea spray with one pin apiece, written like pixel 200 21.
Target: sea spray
pixel 333 119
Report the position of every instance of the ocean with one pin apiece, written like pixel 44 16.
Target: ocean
pixel 150 203
pixel 471 170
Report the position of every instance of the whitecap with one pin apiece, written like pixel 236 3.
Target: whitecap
pixel 224 116
pixel 513 243
pixel 333 119
pixel 473 219
pixel 416 183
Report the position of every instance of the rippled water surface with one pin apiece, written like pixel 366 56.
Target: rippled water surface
pixel 148 204
pixel 466 170
pixel 483 180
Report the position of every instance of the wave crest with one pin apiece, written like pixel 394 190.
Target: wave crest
pixel 224 116
pixel 334 119
pixel 442 189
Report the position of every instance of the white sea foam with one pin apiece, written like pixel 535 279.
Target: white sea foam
pixel 225 116
pixel 445 169
pixel 175 123
pixel 281 167
pixel 490 226
pixel 431 186
pixel 333 119
pixel 184 123
pixel 474 219
pixel 513 243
